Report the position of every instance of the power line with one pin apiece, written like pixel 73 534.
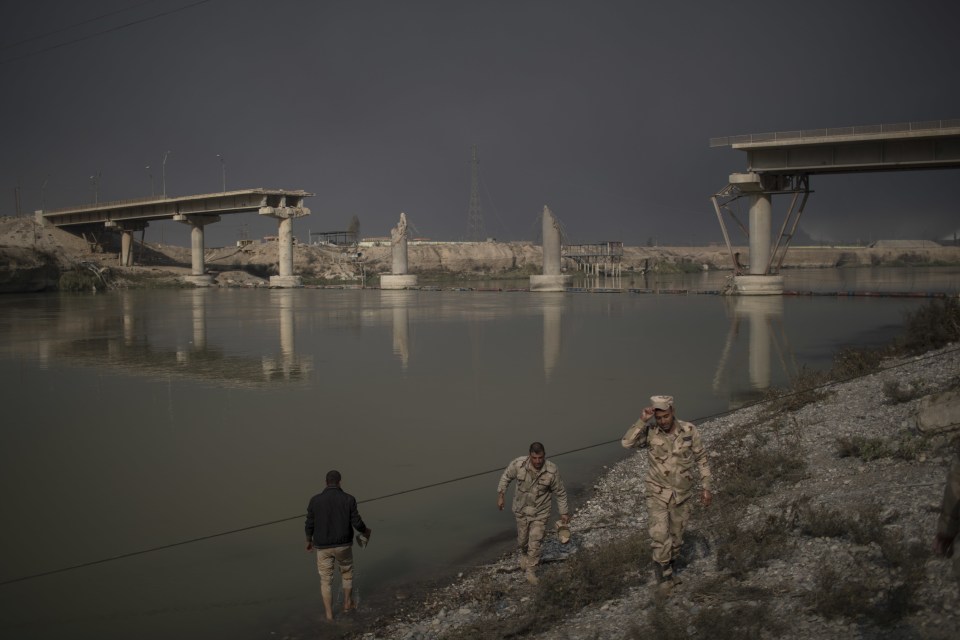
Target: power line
pixel 105 31
pixel 451 480
pixel 72 26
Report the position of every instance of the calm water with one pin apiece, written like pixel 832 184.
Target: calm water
pixel 139 419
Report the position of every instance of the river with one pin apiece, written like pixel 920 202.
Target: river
pixel 137 420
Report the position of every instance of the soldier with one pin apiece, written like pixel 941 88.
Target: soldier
pixel 537 482
pixel 949 522
pixel 673 447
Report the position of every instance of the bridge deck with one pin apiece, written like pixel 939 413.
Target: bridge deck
pixel 152 208
pixel 913 145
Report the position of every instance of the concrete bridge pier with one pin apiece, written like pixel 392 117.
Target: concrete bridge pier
pixel 285 215
pixel 758 280
pixel 553 278
pixel 127 229
pixel 198 270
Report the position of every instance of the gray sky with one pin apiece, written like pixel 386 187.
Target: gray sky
pixel 602 110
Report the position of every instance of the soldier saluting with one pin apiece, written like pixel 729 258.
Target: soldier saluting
pixel 673 448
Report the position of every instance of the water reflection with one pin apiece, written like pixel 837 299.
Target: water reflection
pixel 399 302
pixel 288 365
pixel 552 305
pixel 764 317
pixel 123 332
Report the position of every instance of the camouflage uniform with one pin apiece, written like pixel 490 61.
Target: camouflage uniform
pixel 949 523
pixel 531 504
pixel 669 483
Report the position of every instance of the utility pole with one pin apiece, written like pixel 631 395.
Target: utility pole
pixel 95 183
pixel 223 171
pixel 43 187
pixel 164 175
pixel 474 215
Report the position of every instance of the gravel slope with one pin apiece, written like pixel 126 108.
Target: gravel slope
pixel 798 591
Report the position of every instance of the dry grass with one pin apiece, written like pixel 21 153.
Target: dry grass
pixel 900 391
pixel 590 576
pixel 905 447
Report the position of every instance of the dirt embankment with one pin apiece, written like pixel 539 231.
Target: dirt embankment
pixel 35 257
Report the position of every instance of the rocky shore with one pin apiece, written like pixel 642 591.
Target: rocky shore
pixel 826 506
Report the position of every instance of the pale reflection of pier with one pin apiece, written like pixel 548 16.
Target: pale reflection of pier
pixel 552 305
pixel 399 303
pixel 612 282
pixel 114 333
pixel 288 365
pixel 764 315
pixel 198 310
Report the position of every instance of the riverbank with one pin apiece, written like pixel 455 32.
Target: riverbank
pixel 35 258
pixel 826 505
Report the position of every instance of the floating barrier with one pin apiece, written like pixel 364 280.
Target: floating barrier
pixel 702 292
pixel 871 294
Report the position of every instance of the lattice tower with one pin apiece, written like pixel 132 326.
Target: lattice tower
pixel 475 230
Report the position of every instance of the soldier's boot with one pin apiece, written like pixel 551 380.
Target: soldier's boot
pixel 673 572
pixel 532 576
pixel 664 577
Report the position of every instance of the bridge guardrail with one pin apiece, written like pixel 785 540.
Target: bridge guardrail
pixel 807 134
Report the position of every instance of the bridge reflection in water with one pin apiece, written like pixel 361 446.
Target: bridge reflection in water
pixel 767 339
pixel 95 339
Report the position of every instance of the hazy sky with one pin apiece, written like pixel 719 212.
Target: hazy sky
pixel 601 110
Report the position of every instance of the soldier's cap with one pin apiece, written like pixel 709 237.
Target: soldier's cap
pixel 563 532
pixel 661 403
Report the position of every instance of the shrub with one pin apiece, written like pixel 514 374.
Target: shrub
pixel 898 391
pixel 932 326
pixel 906 447
pixel 853 363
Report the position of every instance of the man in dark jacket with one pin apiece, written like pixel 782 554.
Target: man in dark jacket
pixel 331 518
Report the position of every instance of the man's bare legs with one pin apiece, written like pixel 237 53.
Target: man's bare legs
pixel 327 596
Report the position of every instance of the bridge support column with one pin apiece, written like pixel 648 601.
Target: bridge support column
pixel 127 229
pixel 553 278
pixel 761 211
pixel 198 271
pixel 285 215
pixel 759 281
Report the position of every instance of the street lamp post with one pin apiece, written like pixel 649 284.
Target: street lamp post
pixel 43 187
pixel 150 174
pixel 164 178
pixel 95 182
pixel 223 171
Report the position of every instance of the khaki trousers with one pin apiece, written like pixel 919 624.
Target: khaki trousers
pixel 343 557
pixel 667 521
pixel 530 533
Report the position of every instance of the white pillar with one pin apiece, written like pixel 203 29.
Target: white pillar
pixel 285 215
pixel 126 244
pixel 197 266
pixel 399 252
pixel 551 244
pixel 285 247
pixel 198 275
pixel 760 221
